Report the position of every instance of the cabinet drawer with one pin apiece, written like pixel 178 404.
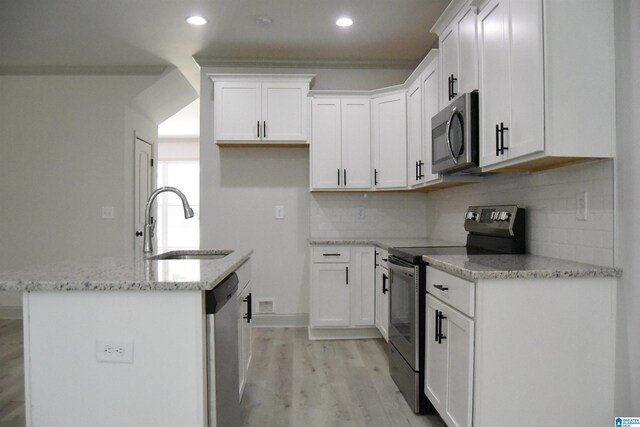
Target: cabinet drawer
pixel 331 254
pixel 458 293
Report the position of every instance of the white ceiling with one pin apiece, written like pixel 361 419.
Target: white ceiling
pixel 40 34
pixel 94 33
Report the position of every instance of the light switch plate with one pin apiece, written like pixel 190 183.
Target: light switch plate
pixel 279 212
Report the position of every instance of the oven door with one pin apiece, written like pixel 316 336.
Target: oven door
pixel 404 310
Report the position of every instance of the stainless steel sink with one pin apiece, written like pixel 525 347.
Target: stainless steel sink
pixel 195 254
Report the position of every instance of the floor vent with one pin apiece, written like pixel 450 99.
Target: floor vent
pixel 266 305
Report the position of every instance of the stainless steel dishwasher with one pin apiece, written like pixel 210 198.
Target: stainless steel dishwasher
pixel 221 307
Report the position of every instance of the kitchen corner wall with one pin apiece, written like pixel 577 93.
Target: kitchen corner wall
pixel 550 201
pixel 65 144
pixel 367 215
pixel 240 187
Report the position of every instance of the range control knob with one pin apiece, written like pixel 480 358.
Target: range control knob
pixel 471 216
pixel 504 216
pixel 495 215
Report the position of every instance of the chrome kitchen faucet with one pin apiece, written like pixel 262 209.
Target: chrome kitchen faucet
pixel 150 225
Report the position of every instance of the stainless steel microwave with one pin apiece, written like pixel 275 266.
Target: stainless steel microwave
pixel 455 137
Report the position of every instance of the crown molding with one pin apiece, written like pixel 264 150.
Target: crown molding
pixel 447 16
pixel 73 70
pixel 208 61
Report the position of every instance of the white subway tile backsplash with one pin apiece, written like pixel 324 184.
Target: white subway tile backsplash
pixel 550 200
pixel 336 215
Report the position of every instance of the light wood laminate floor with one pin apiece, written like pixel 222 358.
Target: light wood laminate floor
pixel 300 383
pixel 292 382
pixel 11 374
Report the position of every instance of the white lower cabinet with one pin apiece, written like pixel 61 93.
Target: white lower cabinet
pixel 526 351
pixel 245 312
pixel 382 293
pixel 342 288
pixel 449 366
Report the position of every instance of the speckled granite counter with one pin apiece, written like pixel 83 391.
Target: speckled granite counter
pixel 126 274
pixel 381 242
pixel 475 267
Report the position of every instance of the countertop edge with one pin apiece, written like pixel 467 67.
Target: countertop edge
pixel 130 285
pixel 472 275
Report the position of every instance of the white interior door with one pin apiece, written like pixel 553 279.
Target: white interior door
pixel 142 182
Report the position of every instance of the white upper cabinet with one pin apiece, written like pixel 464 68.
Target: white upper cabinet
pixel 340 143
pixel 260 108
pixel 422 105
pixel 546 98
pixel 389 140
pixel 458 54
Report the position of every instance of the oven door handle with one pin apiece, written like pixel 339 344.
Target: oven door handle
pixel 396 267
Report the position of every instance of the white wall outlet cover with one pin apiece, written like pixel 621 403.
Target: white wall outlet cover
pixel 108 212
pixel 279 212
pixel 581 206
pixel 114 351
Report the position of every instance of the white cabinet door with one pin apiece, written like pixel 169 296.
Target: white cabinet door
pixel 449 363
pixel 362 286
pixel 526 134
pixel 382 293
pixel 459 333
pixel 238 111
pixel 435 386
pixel 389 139
pixel 467 51
pixel 494 80
pixel 449 62
pixel 325 143
pixel 284 111
pixel 414 133
pixel 330 305
pixel 430 107
pixel 244 334
pixel 356 143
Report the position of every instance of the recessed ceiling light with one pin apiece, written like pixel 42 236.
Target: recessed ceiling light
pixel 196 20
pixel 344 22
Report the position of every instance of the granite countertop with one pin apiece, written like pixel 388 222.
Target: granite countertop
pixel 381 242
pixel 127 274
pixel 475 267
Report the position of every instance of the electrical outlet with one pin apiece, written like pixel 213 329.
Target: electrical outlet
pixel 581 206
pixel 279 212
pixel 114 351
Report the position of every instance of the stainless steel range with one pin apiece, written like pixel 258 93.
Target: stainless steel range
pixel 491 230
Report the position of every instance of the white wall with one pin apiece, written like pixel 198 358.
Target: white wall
pixel 550 199
pixel 627 25
pixel 65 146
pixel 337 215
pixel 240 188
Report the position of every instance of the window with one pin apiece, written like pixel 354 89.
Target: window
pixel 173 231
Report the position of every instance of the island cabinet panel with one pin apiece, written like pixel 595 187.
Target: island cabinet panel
pixel 67 387
pixel 382 292
pixel 245 313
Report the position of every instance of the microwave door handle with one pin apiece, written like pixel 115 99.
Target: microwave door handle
pixel 453 113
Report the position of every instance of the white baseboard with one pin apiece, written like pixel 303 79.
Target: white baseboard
pixel 343 333
pixel 280 320
pixel 10 312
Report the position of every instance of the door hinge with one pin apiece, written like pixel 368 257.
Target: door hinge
pixel 151 162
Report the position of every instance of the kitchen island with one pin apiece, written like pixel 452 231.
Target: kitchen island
pixel 79 316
